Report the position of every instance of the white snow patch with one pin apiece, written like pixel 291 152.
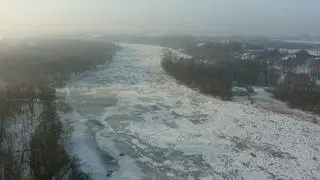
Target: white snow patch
pixel 201 44
pixel 167 162
pixel 134 141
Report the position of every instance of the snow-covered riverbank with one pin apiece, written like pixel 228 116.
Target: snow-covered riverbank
pixel 262 99
pixel 168 131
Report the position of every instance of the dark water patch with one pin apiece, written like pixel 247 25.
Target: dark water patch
pixel 171 124
pixel 93 106
pixel 108 161
pixel 199 118
pixel 115 119
pixel 104 101
pixel 272 175
pixel 240 145
pixel 280 154
pixel 143 108
pixel 96 123
pixel 64 107
pixel 86 108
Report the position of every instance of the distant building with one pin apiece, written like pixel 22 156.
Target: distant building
pixel 289 56
pixel 284 51
pixel 314 52
pixel 247 56
pixel 257 50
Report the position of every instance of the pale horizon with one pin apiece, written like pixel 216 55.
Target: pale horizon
pixel 206 17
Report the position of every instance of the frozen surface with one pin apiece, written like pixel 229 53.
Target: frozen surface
pixel 166 131
pixel 264 100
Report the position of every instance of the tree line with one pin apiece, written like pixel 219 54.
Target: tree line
pixel 216 67
pixel 208 78
pixel 33 141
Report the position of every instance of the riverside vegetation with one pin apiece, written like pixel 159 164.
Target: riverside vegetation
pixel 33 141
pixel 216 67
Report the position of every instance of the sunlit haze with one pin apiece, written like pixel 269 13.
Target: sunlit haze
pixel 159 89
pixel 205 17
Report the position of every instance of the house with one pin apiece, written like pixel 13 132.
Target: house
pixel 289 56
pixel 314 52
pixel 247 56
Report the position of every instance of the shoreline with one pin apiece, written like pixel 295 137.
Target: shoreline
pixel 264 100
pixel 83 140
pixel 84 145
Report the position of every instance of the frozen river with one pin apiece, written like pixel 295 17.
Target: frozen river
pixel 131 118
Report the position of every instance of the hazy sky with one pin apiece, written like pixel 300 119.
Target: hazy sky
pixel 198 17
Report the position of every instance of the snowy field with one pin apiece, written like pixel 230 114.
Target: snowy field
pixel 131 118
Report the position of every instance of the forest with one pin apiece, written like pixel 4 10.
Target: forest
pixel 208 78
pixel 33 141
